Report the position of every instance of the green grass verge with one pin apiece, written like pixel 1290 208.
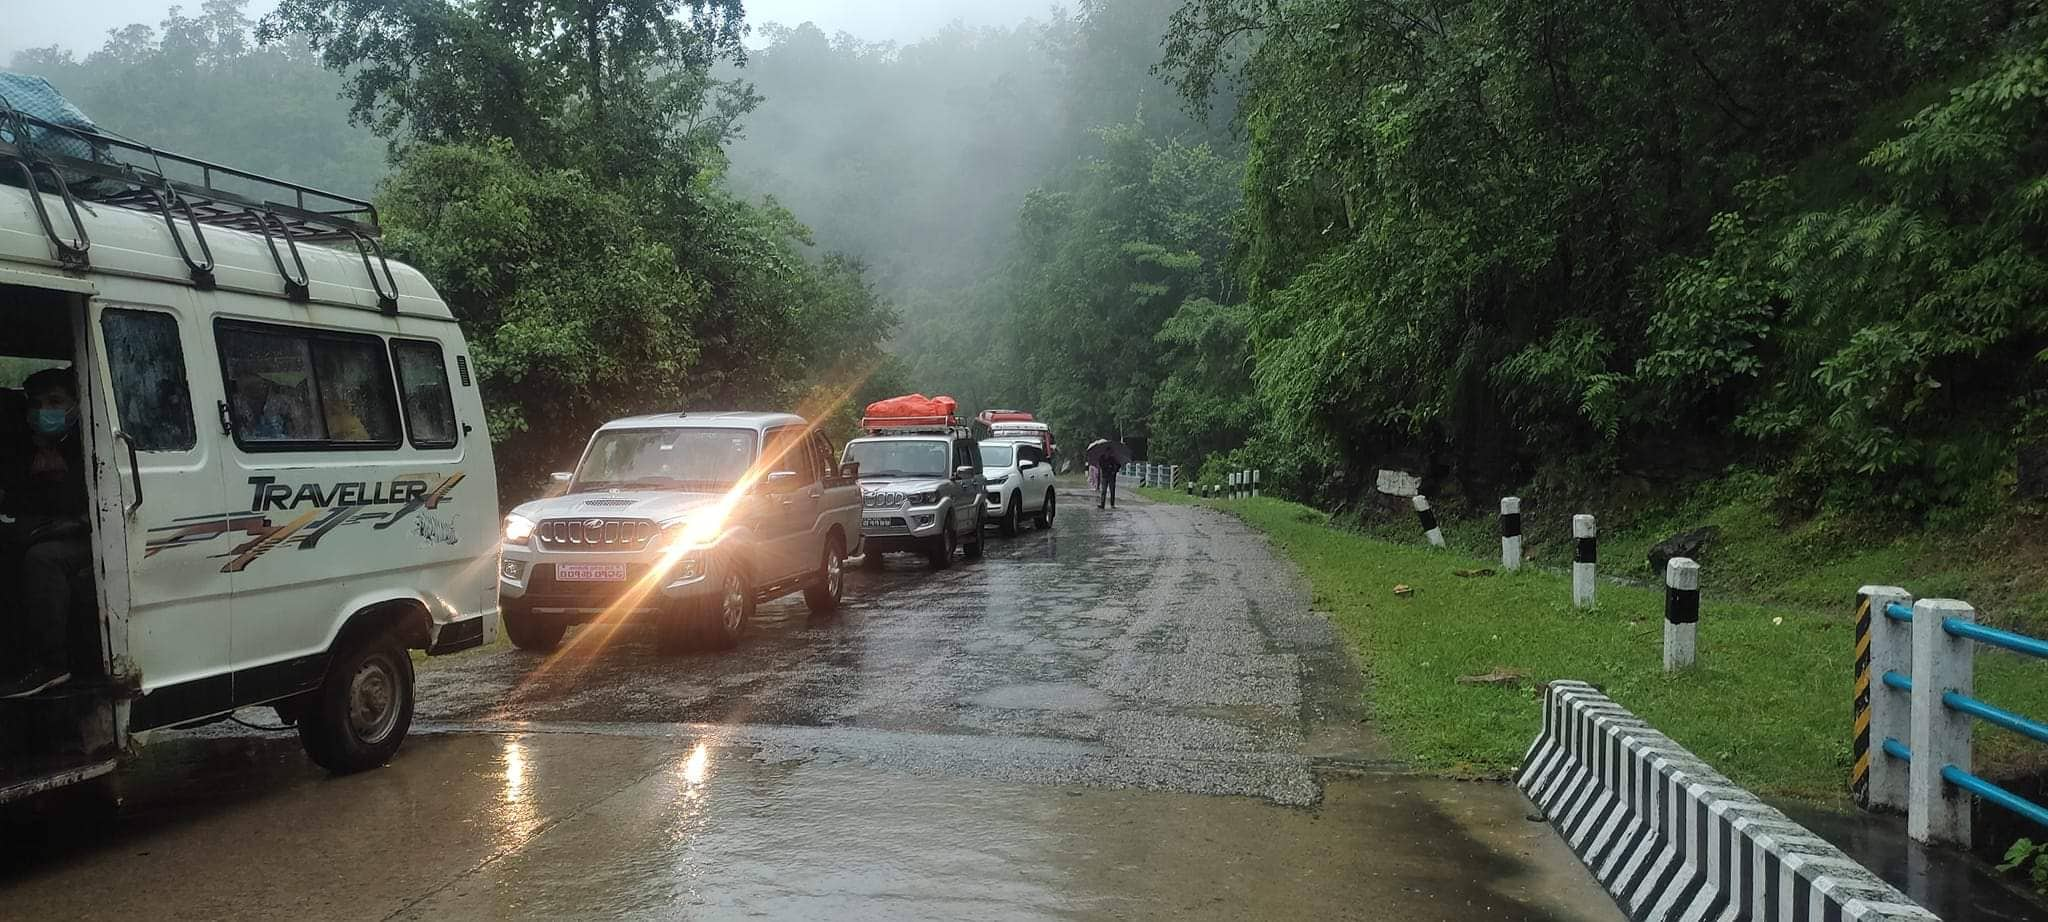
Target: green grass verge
pixel 1769 704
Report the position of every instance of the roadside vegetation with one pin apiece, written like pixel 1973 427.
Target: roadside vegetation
pixel 1768 705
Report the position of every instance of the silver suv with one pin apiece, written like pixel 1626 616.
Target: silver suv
pixel 923 492
pixel 687 518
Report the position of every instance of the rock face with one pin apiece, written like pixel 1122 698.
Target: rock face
pixel 1691 543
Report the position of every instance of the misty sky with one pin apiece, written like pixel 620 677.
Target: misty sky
pixel 82 24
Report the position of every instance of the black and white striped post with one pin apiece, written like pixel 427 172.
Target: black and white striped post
pixel 1681 613
pixel 1255 482
pixel 1427 517
pixel 1585 557
pixel 1511 532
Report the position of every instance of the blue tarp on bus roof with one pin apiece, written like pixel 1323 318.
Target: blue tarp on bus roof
pixel 33 95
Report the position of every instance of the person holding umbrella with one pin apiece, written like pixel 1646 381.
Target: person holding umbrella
pixel 1105 458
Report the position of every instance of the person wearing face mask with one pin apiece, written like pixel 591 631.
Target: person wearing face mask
pixel 42 525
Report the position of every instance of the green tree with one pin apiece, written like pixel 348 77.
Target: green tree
pixel 573 312
pixel 1472 228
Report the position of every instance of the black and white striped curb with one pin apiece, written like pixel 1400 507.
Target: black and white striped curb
pixel 1670 838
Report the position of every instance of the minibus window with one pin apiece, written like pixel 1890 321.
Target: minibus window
pixel 270 386
pixel 423 380
pixel 291 389
pixel 355 390
pixel 147 365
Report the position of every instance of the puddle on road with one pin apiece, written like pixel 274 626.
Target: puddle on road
pixel 572 825
pixel 1955 886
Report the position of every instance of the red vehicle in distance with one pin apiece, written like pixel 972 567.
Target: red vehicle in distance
pixel 1018 424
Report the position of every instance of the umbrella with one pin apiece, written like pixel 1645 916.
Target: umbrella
pixel 1101 447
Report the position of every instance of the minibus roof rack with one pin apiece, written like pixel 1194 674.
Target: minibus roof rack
pixel 130 174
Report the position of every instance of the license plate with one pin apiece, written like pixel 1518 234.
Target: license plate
pixel 880 523
pixel 590 572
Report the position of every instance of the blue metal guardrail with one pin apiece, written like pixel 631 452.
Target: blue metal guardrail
pixel 1982 710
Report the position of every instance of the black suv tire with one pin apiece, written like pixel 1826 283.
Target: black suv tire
pixel 940 551
pixel 980 545
pixel 1013 518
pixel 823 595
pixel 529 630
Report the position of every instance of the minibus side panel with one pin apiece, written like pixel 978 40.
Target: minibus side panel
pixel 370 515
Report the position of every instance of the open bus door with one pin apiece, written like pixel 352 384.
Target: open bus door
pixel 75 731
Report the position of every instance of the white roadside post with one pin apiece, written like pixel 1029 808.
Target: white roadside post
pixel 1511 532
pixel 1585 558
pixel 1255 482
pixel 1427 517
pixel 1681 613
pixel 1890 710
pixel 1233 485
pixel 1938 812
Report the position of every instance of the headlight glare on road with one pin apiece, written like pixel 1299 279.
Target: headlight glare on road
pixel 518 528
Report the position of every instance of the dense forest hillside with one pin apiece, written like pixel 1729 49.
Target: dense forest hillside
pixel 1502 243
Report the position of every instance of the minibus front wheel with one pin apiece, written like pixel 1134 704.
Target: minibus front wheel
pixel 362 710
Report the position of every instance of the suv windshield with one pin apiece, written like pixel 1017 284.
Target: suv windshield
pixel 901 458
pixel 997 454
pixel 666 459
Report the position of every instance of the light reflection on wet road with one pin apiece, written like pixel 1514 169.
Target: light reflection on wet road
pixel 1132 716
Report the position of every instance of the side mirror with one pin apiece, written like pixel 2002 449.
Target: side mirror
pixel 1026 465
pixel 850 470
pixel 562 477
pixel 781 481
pixel 965 471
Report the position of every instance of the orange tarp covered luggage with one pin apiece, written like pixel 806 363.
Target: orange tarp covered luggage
pixel 913 410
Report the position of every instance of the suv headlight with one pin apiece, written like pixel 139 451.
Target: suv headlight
pixel 518 529
pixel 927 498
pixel 998 480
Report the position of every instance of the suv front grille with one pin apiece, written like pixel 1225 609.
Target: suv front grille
pixel 595 534
pixel 883 499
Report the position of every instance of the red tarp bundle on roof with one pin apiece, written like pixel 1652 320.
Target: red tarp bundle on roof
pixel 913 406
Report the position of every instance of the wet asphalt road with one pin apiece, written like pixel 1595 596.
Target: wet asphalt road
pixel 1133 715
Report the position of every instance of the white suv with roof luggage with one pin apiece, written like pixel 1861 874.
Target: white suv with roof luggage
pixel 1020 483
pixel 685 518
